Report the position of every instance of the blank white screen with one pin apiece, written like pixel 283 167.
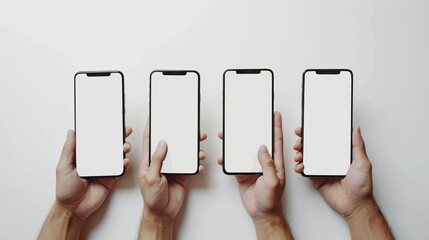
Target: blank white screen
pixel 99 125
pixel 174 119
pixel 248 119
pixel 327 123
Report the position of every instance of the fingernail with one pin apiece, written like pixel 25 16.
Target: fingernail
pixel 69 133
pixel 263 148
pixel 161 145
pixel 358 129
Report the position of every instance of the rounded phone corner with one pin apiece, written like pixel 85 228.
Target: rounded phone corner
pixel 154 71
pixel 304 175
pixel 305 71
pixel 197 170
pixel 226 172
pixel 122 173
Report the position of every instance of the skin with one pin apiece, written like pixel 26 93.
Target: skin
pixel 261 195
pixel 163 194
pixel 76 198
pixel 351 196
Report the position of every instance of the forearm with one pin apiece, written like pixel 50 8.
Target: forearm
pixel 155 227
pixel 368 223
pixel 272 227
pixel 61 224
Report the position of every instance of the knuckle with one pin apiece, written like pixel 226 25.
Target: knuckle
pixel 150 180
pixel 273 183
pixel 269 162
pixel 368 165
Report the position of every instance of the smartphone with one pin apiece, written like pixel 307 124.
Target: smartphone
pixel 327 112
pixel 248 105
pixel 99 123
pixel 174 116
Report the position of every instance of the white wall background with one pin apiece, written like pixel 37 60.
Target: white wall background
pixel 43 43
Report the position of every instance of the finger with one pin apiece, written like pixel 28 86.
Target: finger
pixel 298 157
pixel 299 168
pixel 157 159
pixel 202 155
pixel 127 163
pixel 278 146
pixel 298 131
pixel 268 168
pixel 246 178
pixel 145 161
pixel 358 147
pixel 107 183
pixel 201 168
pixel 203 136
pixel 67 161
pixel 317 182
pixel 220 135
pixel 220 161
pixel 298 145
pixel 128 131
pixel 127 147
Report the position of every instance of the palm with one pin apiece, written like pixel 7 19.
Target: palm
pixel 83 196
pixel 167 198
pixel 254 195
pixel 162 194
pixel 261 194
pixel 342 194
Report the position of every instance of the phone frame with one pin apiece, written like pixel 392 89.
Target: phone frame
pixel 246 71
pixel 170 73
pixel 103 73
pixel 328 71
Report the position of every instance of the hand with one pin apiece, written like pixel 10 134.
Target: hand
pixel 348 194
pixel 81 196
pixel 76 198
pixel 351 196
pixel 262 194
pixel 163 195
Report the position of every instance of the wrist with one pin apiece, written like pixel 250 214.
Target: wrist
pixel 67 213
pixel 154 226
pixel 367 222
pixel 61 223
pixel 155 218
pixel 272 226
pixel 363 210
pixel 265 220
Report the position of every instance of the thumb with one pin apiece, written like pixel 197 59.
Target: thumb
pixel 267 164
pixel 66 161
pixel 158 158
pixel 358 146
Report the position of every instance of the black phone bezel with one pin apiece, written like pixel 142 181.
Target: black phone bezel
pixel 176 72
pixel 324 71
pixel 102 74
pixel 246 71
